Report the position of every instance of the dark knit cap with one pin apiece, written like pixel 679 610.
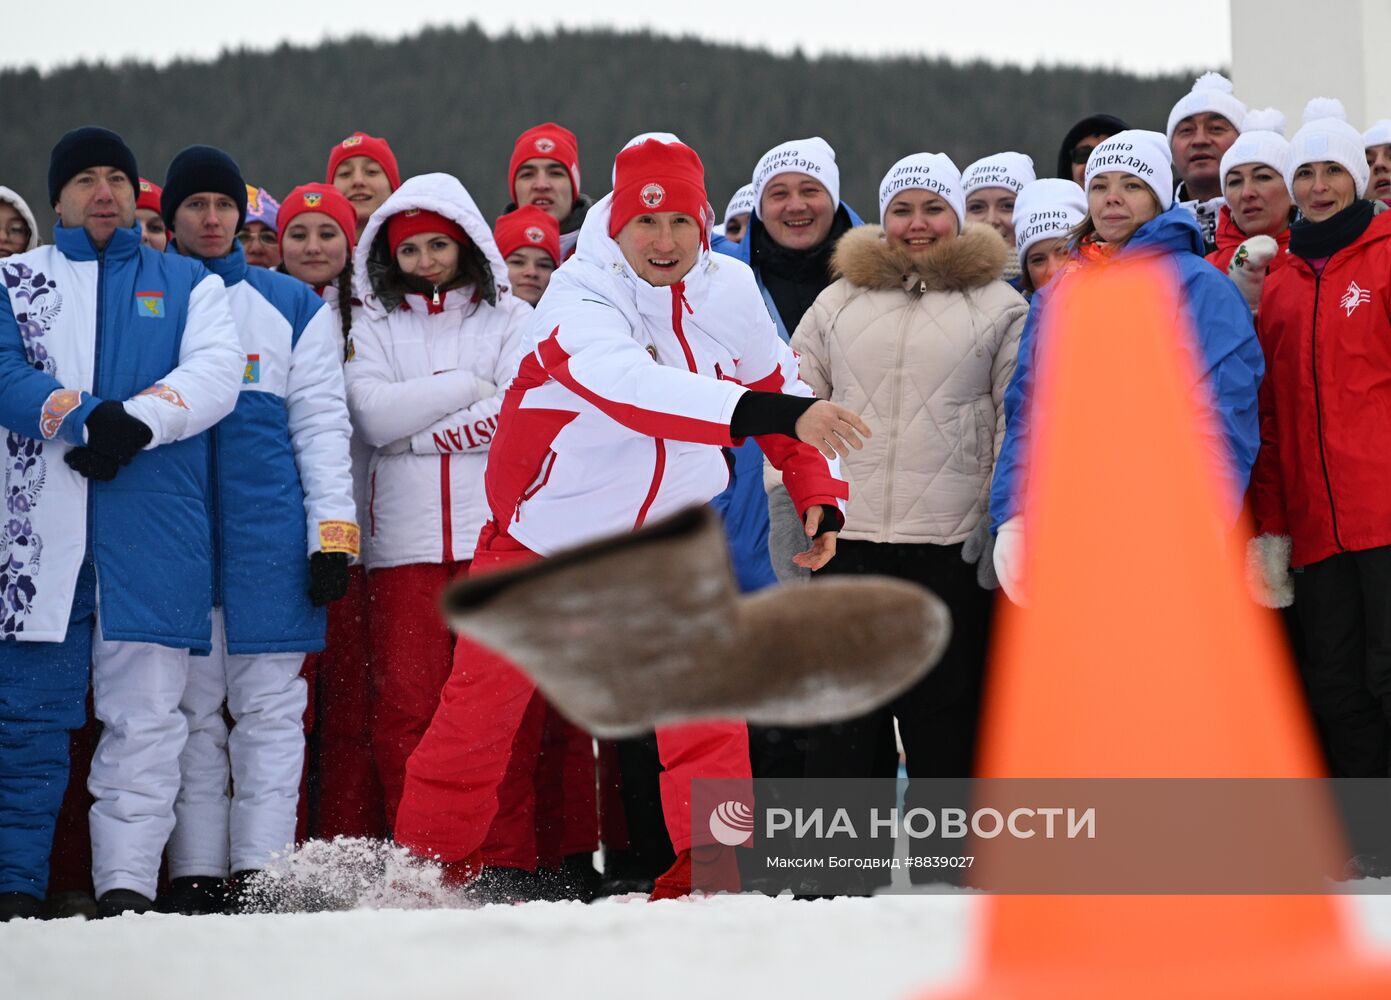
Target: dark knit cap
pixel 84 148
pixel 202 168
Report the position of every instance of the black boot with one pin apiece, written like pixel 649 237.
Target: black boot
pixel 193 895
pixel 242 894
pixel 18 906
pixel 69 903
pixel 505 885
pixel 115 902
pixel 574 881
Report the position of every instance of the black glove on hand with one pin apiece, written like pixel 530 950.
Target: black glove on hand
pixel 115 433
pixel 91 464
pixel 328 577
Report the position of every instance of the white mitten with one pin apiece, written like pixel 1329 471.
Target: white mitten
pixel 1009 558
pixel 1268 571
pixel 1248 266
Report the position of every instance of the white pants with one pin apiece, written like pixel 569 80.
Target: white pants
pixel 217 833
pixel 136 687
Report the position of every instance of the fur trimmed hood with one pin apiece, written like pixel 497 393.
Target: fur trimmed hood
pixel 975 258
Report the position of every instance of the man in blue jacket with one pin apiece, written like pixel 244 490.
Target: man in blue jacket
pixel 284 531
pixel 113 361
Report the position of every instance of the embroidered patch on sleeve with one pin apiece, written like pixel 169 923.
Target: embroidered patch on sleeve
pixel 167 393
pixel 56 407
pixel 339 536
pixel 253 370
pixel 150 305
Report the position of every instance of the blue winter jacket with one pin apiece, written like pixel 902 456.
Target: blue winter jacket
pixel 153 331
pixel 743 505
pixel 281 470
pixel 1233 364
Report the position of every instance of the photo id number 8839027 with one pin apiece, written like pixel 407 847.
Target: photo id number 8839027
pixel 939 861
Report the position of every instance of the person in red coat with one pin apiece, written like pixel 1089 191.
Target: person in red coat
pixel 1321 489
pixel 1257 201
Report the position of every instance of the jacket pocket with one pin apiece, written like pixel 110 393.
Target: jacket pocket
pixel 985 432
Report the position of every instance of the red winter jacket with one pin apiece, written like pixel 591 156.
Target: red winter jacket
pixel 1229 237
pixel 1323 475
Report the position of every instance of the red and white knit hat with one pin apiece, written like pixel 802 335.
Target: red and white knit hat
pixel 547 141
pixel 528 226
pixel 657 176
pixel 148 195
pixel 323 198
pixel 371 146
pixel 414 221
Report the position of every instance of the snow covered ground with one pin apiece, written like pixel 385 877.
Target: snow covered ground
pixel 730 946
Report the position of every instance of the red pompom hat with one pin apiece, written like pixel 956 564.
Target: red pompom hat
pixel 547 141
pixel 528 226
pixel 414 221
pixel 657 176
pixel 370 146
pixel 149 193
pixel 323 198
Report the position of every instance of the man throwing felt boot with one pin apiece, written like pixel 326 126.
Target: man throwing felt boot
pixel 648 356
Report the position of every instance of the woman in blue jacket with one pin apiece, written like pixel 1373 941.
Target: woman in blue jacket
pixel 1130 215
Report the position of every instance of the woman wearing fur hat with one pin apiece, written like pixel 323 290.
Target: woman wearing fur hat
pixel 1321 490
pixel 317 230
pixel 1131 214
pixel 1253 227
pixel 18 230
pixel 439 339
pixel 918 333
pixel 649 355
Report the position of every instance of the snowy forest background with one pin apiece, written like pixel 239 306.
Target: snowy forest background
pixel 454 100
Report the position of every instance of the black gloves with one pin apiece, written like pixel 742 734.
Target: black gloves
pixel 113 432
pixel 92 464
pixel 328 577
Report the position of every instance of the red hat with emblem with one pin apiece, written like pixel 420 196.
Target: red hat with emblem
pixel 547 141
pixel 371 146
pixel 148 195
pixel 414 221
pixel 657 176
pixel 528 226
pixel 323 198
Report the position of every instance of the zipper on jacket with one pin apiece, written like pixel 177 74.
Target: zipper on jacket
pixel 96 391
pixel 658 469
pixel 215 516
pixel 678 299
pixel 1318 409
pixel 435 298
pixel 891 452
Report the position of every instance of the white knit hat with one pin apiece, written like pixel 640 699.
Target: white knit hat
pixel 1136 151
pixel 933 172
pixel 1326 135
pixel 813 157
pixel 1046 209
pixel 1262 140
pixel 1378 135
pixel 1006 170
pixel 1212 92
pixel 740 204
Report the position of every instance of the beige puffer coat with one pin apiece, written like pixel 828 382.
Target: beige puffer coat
pixel 923 350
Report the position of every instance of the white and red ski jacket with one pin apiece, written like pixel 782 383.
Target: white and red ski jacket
pixel 425 382
pixel 623 401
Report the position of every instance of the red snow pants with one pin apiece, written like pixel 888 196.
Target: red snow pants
pixel 469 783
pixel 348 799
pixel 412 655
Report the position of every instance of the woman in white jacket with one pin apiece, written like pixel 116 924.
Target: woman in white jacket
pixel 439 339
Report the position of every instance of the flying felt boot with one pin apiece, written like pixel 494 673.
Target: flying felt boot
pixel 649 629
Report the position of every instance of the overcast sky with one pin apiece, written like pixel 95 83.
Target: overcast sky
pixel 1101 33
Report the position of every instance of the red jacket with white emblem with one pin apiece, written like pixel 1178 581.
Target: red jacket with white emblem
pixel 623 401
pixel 1323 475
pixel 425 384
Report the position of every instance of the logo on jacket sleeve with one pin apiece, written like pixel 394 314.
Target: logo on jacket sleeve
pixel 653 195
pixel 253 370
pixel 150 305
pixel 166 392
pixel 1354 297
pixel 56 407
pixel 339 536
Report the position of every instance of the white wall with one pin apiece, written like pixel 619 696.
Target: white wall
pixel 1287 51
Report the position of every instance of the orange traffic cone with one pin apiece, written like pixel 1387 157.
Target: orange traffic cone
pixel 1140 656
